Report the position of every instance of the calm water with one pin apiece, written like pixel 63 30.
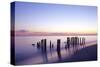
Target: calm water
pixel 28 54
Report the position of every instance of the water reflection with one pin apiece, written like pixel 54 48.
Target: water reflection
pixel 71 45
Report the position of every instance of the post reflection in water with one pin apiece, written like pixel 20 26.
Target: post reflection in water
pixel 72 44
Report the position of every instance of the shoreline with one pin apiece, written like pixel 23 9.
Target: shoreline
pixel 86 54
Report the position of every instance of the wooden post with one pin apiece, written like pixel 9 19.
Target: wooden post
pixel 58 48
pixel 68 42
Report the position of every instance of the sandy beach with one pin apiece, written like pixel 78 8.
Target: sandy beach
pixel 86 54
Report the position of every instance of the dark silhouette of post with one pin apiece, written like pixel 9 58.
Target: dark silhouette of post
pixel 68 42
pixel 33 44
pixel 76 42
pixel 83 42
pixel 50 45
pixel 80 41
pixel 45 46
pixel 42 45
pixel 58 48
pixel 38 45
pixel 72 42
pixel 44 50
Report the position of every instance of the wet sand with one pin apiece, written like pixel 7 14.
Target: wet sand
pixel 86 54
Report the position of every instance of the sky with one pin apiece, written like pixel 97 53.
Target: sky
pixel 39 17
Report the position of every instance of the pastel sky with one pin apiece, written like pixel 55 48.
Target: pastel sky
pixel 39 17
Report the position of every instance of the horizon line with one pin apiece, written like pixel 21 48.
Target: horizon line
pixel 24 33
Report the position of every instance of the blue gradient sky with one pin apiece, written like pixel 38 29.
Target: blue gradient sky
pixel 38 17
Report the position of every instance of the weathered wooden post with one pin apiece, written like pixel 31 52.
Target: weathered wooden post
pixel 68 42
pixel 50 45
pixel 44 50
pixel 45 44
pixel 58 49
pixel 72 42
pixel 42 45
pixel 76 42
pixel 83 42
pixel 80 41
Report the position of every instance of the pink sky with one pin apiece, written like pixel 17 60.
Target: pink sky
pixel 28 33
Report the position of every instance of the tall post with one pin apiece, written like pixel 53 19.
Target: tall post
pixel 44 51
pixel 50 45
pixel 58 49
pixel 76 42
pixel 72 41
pixel 45 46
pixel 68 42
pixel 80 41
pixel 42 45
pixel 83 41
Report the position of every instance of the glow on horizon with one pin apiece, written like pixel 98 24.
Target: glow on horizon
pixel 64 29
pixel 37 17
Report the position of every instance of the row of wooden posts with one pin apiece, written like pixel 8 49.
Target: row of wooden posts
pixel 70 42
